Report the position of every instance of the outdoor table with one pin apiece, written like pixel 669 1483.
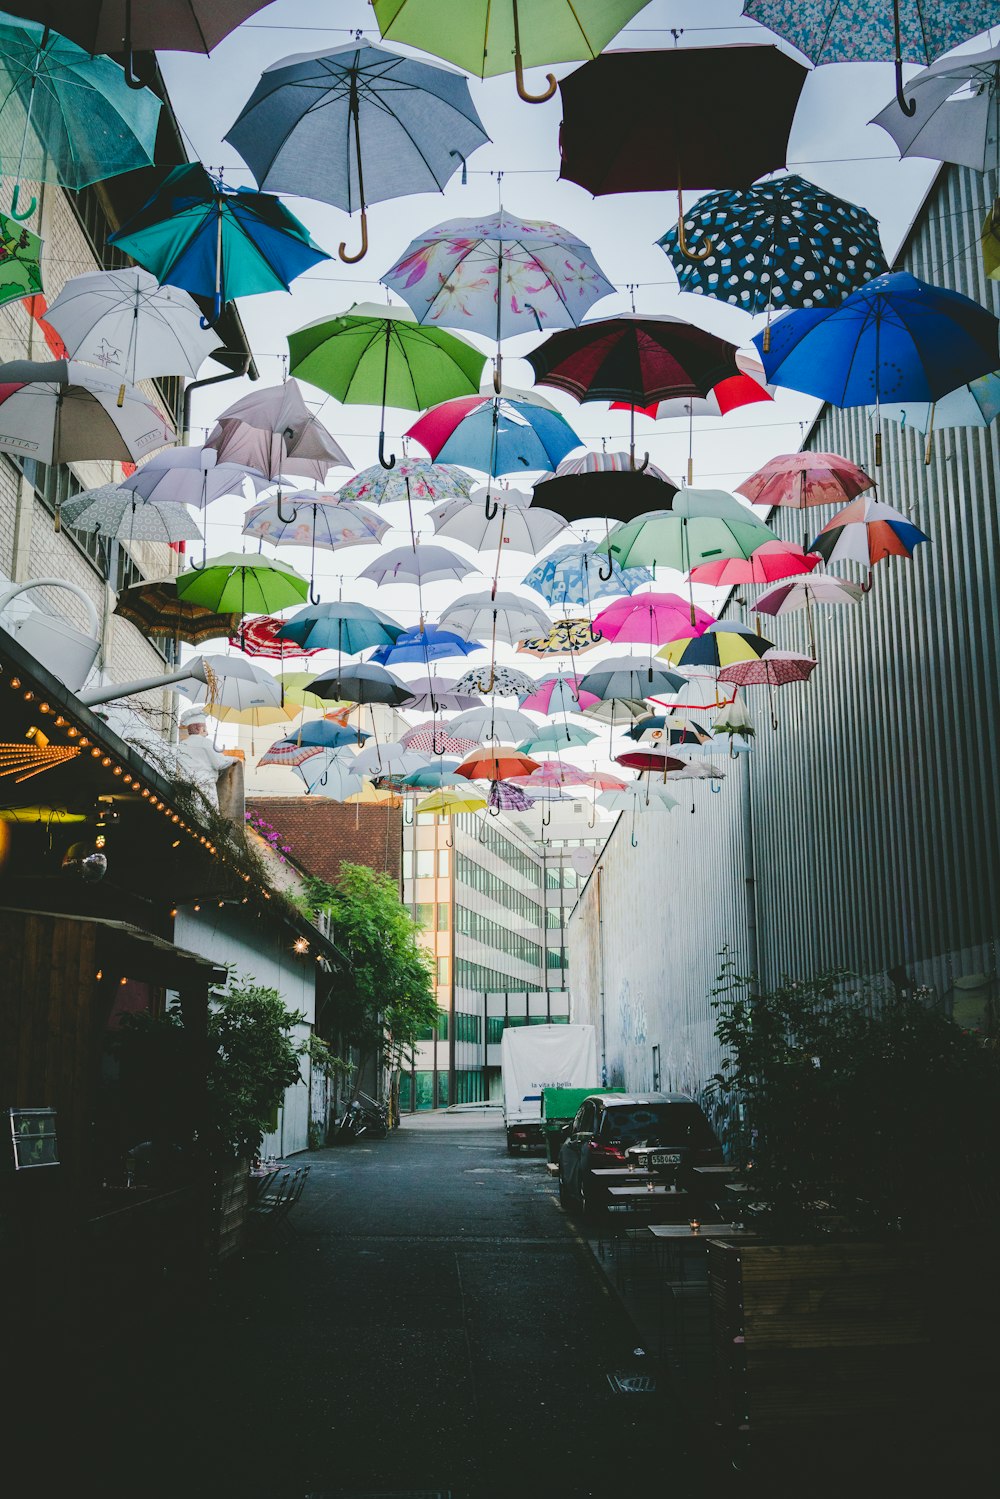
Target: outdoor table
pixel 623 1174
pixel 680 1244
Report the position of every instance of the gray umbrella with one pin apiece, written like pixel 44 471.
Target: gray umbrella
pixel 192 476
pixel 956 114
pixel 121 515
pixel 629 677
pixel 281 412
pixel 364 684
pixel 439 695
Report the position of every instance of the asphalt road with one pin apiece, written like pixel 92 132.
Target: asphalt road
pixel 434 1326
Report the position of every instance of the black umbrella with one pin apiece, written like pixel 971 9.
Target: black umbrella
pixel 619 496
pixel 363 684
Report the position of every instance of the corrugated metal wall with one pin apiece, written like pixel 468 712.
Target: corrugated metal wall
pixel 875 799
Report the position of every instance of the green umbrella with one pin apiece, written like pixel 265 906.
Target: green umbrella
pixel 19 251
pixel 702 525
pixel 373 355
pixel 237 583
pixel 489 36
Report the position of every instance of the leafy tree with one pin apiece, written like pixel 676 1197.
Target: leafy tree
pixel 385 995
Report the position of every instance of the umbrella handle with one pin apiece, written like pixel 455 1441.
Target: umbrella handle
pixel 908 106
pixel 522 92
pixel 605 577
pixel 546 819
pixel 389 462
pixel 635 841
pixel 643 465
pixel 286 520
pixel 715 790
pixel 314 597
pixel 131 76
pixel 481 835
pixel 449 842
pixel 491 507
pixel 597 634
pixel 704 249
pixel 14 201
pixel 353 259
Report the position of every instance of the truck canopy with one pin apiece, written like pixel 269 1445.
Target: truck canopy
pixel 539 1057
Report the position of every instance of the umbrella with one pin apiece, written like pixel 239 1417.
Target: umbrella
pixel 235 685
pixel 626 124
pixel 356 125
pixel 250 585
pixel 649 759
pixel 773 560
pixel 411 479
pixel 192 476
pixel 432 739
pixel 120 515
pixel 557 694
pixel 620 710
pixel 491 722
pixel 424 643
pixel 429 777
pixel 142 25
pixel 774 669
pixel 729 395
pixel 316 520
pixel 498 276
pixel 322 733
pixel 285 436
pixel 700 526
pixel 975 404
pixel 457 803
pixel 373 355
pixel 867 531
pixel 484 39
pixel 720 645
pixel 219 244
pixel 857 31
pixel 61 411
pixel 571 575
pixel 733 719
pixel 502 526
pixel 668 727
pixel 603 462
pixel 955 118
pixel 496 765
pixel 635 799
pixel 619 496
pixel 498 434
pixel 343 626
pixel 555 737
pixel 154 608
pixel 504 616
pixel 783 243
pixel 651 619
pixel 418 563
pixel 259 637
pixel 786 598
pixel 566 637
pixel 391 759
pixel 131 326
pixel 633 358
pixel 287 753
pixel 897 339
pixel 20 273
pixel 806 478
pixel 439 695
pixel 507 681
pixel 504 796
pixel 325 772
pixel 81 121
pixel 364 684
pixel 295 688
pixel 381 796
pixel 626 678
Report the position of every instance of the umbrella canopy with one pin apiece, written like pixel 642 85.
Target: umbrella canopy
pixel 316 520
pixel 322 734
pixel 498 276
pixel 785 598
pixel 381 356
pixel 445 803
pixel 619 496
pixel 557 694
pixel 82 122
pixel 627 679
pixel 22 276
pixel 636 800
pixel 976 404
pixel 855 31
pixel 867 531
pixel 154 608
pixel 633 358
pixel 553 738
pixel 62 411
pixel 355 125
pixel 782 243
pixel 434 739
pixel 343 626
pixel 773 560
pixel 192 476
pixel 295 688
pixel 152 26
pixel 651 619
pixel 504 796
pixel 235 582
pixel 506 527
pixel 259 637
pixel 734 720
pixel 121 515
pixel 720 645
pixel 418 563
pixel 495 38
pixel 439 695
pixel 507 681
pixel 649 759
pixel 490 722
pixel 701 526
pixel 504 616
pixel 617 710
pixel 498 434
pixel 566 637
pixel 365 684
pixel 669 728
pixel 326 773
pixel 897 338
pixel 287 753
pixel 217 243
pixel 424 643
pixel 411 479
pixel 729 395
pixel 775 669
pixel 955 118
pixel 428 777
pixel 806 478
pixel 286 429
pixel 572 575
pixel 235 684
pixel 131 326
pixel 602 462
pixel 496 765
pixel 390 759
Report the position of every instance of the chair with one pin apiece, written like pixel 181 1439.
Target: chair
pixel 269 1207
pixel 293 1195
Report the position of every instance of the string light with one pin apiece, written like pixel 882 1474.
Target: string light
pixel 22 761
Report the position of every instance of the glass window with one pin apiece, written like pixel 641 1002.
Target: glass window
pixel 405 1092
pixel 442 863
pixel 443 914
pixel 569 877
pixel 425 863
pixel 424 915
pixel 443 970
pixel 494 1029
pixel 425 1089
pixel 442 1097
pixel 407 864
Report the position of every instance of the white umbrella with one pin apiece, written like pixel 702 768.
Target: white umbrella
pixel 494 723
pixel 503 616
pixel 128 324
pixel 61 411
pixel 418 564
pixel 635 799
pixel 123 516
pixel 437 695
pixel 391 759
pixel 329 774
pixel 235 682
pixel 509 527
pixel 956 112
pixel 193 476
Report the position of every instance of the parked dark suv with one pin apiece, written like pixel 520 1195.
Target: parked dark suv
pixel 608 1125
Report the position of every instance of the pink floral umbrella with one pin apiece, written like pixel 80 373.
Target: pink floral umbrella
pixel 565 689
pixel 432 738
pixel 774 669
pixel 769 563
pixel 804 479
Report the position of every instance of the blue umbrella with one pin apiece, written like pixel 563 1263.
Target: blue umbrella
pixel 341 627
pixel 895 339
pixel 571 575
pixel 427 777
pixel 217 243
pixel 512 433
pixel 424 643
pixel 322 733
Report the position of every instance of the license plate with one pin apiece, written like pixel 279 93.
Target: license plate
pixel 664 1158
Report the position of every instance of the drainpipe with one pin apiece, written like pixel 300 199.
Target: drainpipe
pixel 234 374
pixel 750 879
pixel 600 948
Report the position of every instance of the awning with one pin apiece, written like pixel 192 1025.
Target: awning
pixel 143 955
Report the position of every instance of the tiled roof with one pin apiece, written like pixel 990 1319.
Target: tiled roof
pixel 323 834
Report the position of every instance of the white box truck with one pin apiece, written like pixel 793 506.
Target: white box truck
pixel 533 1057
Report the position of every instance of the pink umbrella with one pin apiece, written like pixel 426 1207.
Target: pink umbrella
pixel 563 687
pixel 774 669
pixel 785 598
pixel 433 739
pixel 773 560
pixel 806 478
pixel 651 619
pixel 553 773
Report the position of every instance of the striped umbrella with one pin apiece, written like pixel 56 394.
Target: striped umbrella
pixel 259 637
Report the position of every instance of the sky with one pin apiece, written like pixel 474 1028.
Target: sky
pixel 831 143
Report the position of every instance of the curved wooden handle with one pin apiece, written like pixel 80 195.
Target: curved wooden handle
pixel 522 92
pixel 353 259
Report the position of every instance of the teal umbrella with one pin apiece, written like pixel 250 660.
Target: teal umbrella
pixel 69 117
